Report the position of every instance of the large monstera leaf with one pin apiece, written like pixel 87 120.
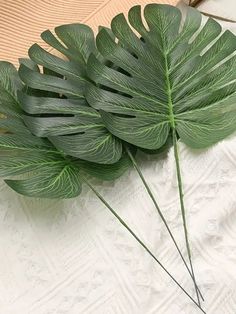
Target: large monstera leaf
pixel 44 171
pixel 65 118
pixel 177 74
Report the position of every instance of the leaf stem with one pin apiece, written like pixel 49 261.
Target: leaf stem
pixel 172 124
pixel 139 241
pixel 160 213
pixel 181 198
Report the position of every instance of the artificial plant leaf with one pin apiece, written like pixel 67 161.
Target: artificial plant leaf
pixel 50 83
pixel 9 84
pixel 22 162
pixel 106 172
pixel 47 172
pixel 67 120
pixel 72 127
pixel 51 181
pixel 28 63
pixel 78 40
pixel 50 174
pixel 26 143
pixel 176 75
pixel 66 68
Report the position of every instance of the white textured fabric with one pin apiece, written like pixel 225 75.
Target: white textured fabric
pixel 73 257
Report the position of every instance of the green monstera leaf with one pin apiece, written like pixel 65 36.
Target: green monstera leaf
pixel 65 117
pixel 47 172
pixel 52 178
pixel 178 80
pixel 177 74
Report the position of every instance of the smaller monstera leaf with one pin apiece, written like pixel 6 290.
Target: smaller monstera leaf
pixel 177 75
pixel 47 172
pixel 66 119
pixel 44 171
pixel 50 176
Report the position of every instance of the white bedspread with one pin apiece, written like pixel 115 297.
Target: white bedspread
pixel 60 257
pixel 73 257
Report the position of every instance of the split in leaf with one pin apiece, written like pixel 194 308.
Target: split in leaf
pixel 67 120
pixel 48 173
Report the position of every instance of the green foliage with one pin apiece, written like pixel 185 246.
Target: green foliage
pixel 47 172
pixel 54 179
pixel 176 75
pixel 166 78
pixel 66 119
pixel 142 85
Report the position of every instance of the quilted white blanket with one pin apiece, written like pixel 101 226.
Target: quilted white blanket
pixel 73 257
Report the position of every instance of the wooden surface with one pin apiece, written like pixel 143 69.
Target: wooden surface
pixel 22 21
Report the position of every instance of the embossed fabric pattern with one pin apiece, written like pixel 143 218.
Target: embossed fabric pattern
pixel 73 257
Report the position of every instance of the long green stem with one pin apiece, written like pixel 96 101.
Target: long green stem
pixel 172 122
pixel 139 241
pixel 181 198
pixel 159 212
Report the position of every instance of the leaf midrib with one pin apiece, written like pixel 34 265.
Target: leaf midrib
pixel 59 176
